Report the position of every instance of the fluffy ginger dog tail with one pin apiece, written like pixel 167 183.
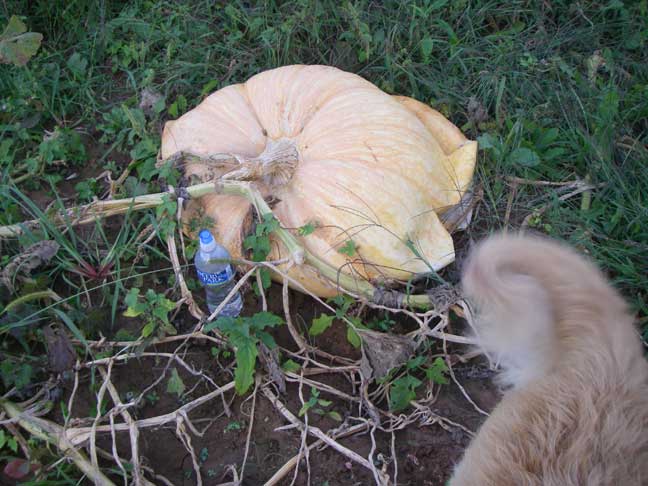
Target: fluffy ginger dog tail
pixel 540 306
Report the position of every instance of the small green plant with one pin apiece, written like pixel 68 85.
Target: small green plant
pixel 244 333
pixel 317 405
pixel 155 307
pixel 259 246
pixel 233 426
pixel 343 303
pixel 165 215
pixel 307 229
pixel 290 366
pixel 8 441
pixel 402 390
pixel 349 248
pixel 152 398
pixel 203 455
pixel 175 384
pixel 14 373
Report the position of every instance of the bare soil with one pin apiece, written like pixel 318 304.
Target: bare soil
pixel 425 455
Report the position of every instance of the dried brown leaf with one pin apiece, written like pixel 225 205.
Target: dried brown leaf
pixel 60 354
pixel 381 352
pixel 33 257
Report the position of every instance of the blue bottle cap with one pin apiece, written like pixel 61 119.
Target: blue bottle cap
pixel 205 237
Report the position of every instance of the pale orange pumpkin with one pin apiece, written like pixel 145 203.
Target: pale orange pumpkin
pixel 368 167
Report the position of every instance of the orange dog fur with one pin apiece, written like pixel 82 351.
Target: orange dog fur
pixel 577 410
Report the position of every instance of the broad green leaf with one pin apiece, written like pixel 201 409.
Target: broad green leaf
pixel 437 371
pixel 353 337
pixel 349 248
pixel 415 362
pixel 261 320
pixel 291 366
pixel 17 46
pixel 13 444
pixel 175 384
pixel 132 297
pixel 148 329
pixel 427 45
pixel 524 157
pixel 208 87
pixel 3 438
pixel 246 354
pixel 132 312
pixel 169 329
pixel 303 409
pixel 402 392
pixel 267 339
pixel 225 324
pixel 307 229
pixel 321 324
pixel 335 416
pixel 77 64
pixel 324 403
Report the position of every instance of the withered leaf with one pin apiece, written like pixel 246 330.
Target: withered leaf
pixel 60 353
pixel 381 352
pixel 17 46
pixel 33 257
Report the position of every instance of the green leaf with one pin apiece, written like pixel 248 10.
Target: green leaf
pixel 335 416
pixel 267 339
pixel 133 312
pixel 246 354
pixel 415 362
pixel 437 372
pixel 321 324
pixel 303 409
pixel 353 337
pixel 175 384
pixel 427 45
pixel 307 229
pixel 169 329
pixel 348 249
pixel 3 438
pixel 148 329
pixel 208 87
pixel 290 366
pixel 324 403
pixel 77 64
pixel 225 324
pixel 159 105
pixel 402 392
pixel 261 320
pixel 13 444
pixel 17 46
pixel 524 157
pixel 132 297
pixel 487 141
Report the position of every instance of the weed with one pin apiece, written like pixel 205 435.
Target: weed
pixel 244 333
pixel 318 405
pixel 155 307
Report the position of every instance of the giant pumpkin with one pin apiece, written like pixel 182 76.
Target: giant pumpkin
pixel 367 167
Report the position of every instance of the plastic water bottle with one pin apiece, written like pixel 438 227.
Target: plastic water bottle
pixel 216 275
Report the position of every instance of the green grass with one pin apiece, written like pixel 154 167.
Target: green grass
pixel 563 86
pixel 567 81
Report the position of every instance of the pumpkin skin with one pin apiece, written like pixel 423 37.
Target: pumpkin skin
pixel 372 168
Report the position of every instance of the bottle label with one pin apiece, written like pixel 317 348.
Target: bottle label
pixel 219 278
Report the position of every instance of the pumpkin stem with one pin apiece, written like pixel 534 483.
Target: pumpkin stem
pixel 274 166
